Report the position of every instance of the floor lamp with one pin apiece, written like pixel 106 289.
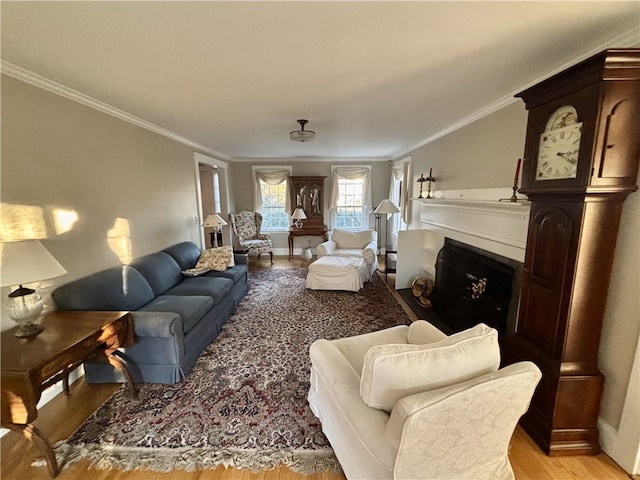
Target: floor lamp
pixel 384 208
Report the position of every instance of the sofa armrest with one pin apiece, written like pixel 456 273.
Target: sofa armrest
pixel 326 248
pixel 263 236
pixel 157 324
pixel 241 259
pixel 369 252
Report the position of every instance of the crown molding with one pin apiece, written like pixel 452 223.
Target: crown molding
pixel 44 83
pixel 626 39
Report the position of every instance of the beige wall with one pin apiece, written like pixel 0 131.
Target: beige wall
pixel 483 155
pixel 242 186
pixel 122 181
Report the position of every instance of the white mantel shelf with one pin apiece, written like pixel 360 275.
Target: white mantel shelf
pixel 475 217
pixel 478 218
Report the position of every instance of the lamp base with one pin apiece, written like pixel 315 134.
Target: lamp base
pixel 29 330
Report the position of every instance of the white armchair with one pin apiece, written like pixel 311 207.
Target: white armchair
pixel 344 243
pixel 412 403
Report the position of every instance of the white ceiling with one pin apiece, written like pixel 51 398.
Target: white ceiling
pixel 375 79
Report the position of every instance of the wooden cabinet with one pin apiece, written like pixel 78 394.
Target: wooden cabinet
pixel 575 214
pixel 308 194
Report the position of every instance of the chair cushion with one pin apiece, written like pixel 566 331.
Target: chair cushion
pixel 190 308
pixel 391 372
pixel 346 239
pixel 216 258
pixel 422 332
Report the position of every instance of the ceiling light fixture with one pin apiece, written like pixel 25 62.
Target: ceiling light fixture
pixel 302 135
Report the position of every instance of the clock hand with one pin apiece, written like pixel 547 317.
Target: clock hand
pixel 568 156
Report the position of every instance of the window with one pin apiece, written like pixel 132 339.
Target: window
pixel 350 197
pixel 350 210
pixel 216 192
pixel 271 196
pixel 274 200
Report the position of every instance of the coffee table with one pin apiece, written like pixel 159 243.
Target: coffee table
pixel 30 365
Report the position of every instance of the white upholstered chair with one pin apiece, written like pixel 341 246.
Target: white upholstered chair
pixel 411 403
pixel 344 243
pixel 246 227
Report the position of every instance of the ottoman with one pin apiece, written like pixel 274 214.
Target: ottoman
pixel 337 273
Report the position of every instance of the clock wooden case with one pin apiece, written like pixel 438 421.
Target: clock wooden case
pixel 582 151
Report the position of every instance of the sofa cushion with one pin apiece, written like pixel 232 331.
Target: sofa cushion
pixel 160 269
pixel 215 287
pixel 190 308
pixel 118 288
pixel 235 273
pixel 391 372
pixel 185 254
pixel 216 258
pixel 359 240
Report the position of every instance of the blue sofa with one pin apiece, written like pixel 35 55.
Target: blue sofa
pixel 175 316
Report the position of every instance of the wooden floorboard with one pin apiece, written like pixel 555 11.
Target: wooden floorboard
pixel 60 417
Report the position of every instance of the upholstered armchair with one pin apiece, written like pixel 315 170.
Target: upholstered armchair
pixel 344 243
pixel 246 226
pixel 411 403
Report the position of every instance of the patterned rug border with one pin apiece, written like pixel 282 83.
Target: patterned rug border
pixel 189 459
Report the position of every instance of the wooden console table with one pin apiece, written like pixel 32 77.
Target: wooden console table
pixel 30 365
pixel 311 231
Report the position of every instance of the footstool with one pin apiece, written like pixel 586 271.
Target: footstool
pixel 337 273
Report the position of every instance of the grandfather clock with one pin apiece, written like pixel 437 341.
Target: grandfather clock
pixel 582 151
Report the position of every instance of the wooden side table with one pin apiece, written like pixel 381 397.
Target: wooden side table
pixel 311 231
pixel 30 365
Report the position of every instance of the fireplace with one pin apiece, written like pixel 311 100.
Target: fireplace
pixel 461 226
pixel 475 286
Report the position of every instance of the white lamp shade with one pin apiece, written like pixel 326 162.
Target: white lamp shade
pixel 385 207
pixel 298 214
pixel 27 262
pixel 214 220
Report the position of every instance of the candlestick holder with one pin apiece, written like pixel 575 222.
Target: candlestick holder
pixel 514 198
pixel 430 179
pixel 421 180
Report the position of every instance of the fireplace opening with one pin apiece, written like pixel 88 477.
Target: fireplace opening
pixel 475 286
pixel 472 286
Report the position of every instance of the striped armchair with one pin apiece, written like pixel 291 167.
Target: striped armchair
pixel 246 226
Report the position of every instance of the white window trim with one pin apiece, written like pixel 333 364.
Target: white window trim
pixel 368 207
pixel 259 168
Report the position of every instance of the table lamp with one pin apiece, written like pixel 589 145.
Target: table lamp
pixel 298 216
pixel 217 222
pixel 26 262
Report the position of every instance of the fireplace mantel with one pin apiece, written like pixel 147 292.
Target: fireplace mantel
pixel 479 218
pixel 476 217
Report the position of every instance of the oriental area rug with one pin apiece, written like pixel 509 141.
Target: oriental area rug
pixel 244 404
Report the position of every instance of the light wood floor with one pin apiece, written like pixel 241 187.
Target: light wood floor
pixel 60 417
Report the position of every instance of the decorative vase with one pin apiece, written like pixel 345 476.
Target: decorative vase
pixel 306 253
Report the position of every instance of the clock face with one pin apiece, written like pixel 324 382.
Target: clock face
pixel 559 146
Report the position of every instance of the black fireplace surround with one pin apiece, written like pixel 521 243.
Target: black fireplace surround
pixel 472 286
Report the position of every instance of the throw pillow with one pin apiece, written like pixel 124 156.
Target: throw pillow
pixel 216 258
pixel 391 372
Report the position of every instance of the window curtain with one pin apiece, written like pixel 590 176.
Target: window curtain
pixel 350 173
pixel 401 172
pixel 272 177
